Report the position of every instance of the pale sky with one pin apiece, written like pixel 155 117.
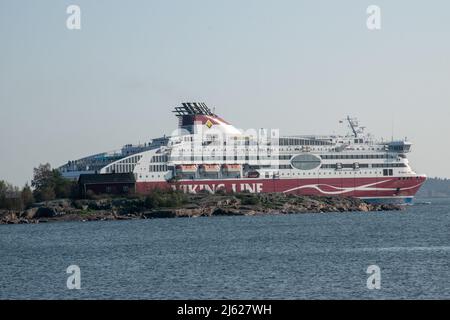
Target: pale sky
pixel 296 65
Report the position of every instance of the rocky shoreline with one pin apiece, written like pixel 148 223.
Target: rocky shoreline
pixel 193 206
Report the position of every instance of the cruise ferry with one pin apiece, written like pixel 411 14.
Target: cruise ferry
pixel 208 154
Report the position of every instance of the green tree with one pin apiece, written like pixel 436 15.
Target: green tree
pixel 10 197
pixel 3 191
pixel 27 196
pixel 43 183
pixel 49 184
pixel 62 186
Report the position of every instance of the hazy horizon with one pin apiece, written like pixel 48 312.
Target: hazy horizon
pixel 300 66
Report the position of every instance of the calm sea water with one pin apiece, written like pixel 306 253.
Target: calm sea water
pixel 281 257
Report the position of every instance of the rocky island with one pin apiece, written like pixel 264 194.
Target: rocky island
pixel 175 204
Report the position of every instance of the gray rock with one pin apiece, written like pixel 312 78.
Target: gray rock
pixel 30 213
pixel 45 212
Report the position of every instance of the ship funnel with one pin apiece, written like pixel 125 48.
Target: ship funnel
pixel 193 114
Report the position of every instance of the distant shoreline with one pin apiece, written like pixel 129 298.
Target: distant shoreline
pixel 199 205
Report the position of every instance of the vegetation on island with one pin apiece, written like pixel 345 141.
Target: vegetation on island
pixel 13 198
pixel 47 184
pixel 50 197
pixel 172 204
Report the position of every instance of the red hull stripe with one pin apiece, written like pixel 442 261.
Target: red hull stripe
pixel 355 187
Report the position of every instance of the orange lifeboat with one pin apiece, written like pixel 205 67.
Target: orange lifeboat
pixel 232 167
pixel 210 167
pixel 186 168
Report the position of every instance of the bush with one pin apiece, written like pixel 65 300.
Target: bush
pixel 150 202
pixel 164 198
pixel 248 199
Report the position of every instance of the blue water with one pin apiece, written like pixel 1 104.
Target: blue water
pixel 282 257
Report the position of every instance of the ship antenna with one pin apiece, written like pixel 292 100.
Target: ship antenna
pixel 392 134
pixel 352 126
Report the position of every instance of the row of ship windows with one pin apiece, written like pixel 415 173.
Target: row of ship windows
pixel 388 165
pixel 151 176
pixel 158 168
pixel 120 168
pixel 282 142
pixel 353 165
pixel 219 157
pixel 358 156
pixel 280 157
pixel 91 161
pixel 385 172
pixel 302 142
pixel 205 151
pixel 213 148
pixel 347 156
pixel 330 173
pixel 159 158
pixel 328 149
pixel 289 147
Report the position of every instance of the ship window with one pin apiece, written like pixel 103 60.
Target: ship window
pixel 305 161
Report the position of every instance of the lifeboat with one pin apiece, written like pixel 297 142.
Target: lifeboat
pixel 186 168
pixel 232 167
pixel 210 167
